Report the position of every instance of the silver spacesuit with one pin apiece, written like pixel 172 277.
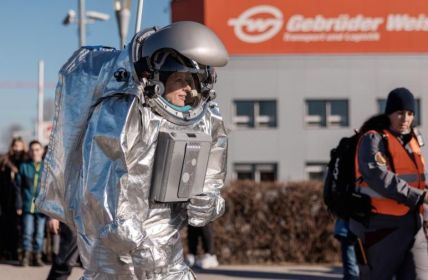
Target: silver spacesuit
pixel 125 168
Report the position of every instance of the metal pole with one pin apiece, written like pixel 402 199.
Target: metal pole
pixel 126 13
pixel 139 15
pixel 82 23
pixel 40 97
pixel 122 15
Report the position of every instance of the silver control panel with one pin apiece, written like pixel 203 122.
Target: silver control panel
pixel 180 165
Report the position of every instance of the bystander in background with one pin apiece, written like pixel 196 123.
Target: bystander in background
pixel 208 259
pixel 28 187
pixel 390 170
pixel 9 221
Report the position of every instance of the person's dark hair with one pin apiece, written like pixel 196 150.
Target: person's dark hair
pixel 35 142
pixel 377 122
pixel 12 159
pixel 12 143
pixel 16 139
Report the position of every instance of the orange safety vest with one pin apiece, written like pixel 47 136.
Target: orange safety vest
pixel 411 171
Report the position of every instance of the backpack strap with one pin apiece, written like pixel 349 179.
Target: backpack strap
pixel 387 152
pixel 418 135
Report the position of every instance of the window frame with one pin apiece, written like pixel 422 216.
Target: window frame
pixel 316 121
pixel 313 166
pixel 256 168
pixel 259 121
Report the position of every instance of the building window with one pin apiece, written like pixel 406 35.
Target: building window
pixel 259 172
pixel 316 170
pixel 251 113
pixel 327 113
pixel 381 103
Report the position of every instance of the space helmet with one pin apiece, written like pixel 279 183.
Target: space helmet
pixel 176 65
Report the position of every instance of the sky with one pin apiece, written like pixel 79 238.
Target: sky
pixel 32 30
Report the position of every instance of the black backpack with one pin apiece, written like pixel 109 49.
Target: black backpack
pixel 340 194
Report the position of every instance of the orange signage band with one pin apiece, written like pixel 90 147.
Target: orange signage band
pixel 329 26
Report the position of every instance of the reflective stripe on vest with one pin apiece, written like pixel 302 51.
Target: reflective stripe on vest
pixel 413 172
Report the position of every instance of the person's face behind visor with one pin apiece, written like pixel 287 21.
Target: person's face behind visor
pixel 178 88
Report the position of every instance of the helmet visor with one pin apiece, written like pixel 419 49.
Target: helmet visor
pixel 169 62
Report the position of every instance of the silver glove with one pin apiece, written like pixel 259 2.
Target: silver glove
pixel 205 208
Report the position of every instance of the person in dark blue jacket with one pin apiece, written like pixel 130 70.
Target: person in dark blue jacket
pixel 28 187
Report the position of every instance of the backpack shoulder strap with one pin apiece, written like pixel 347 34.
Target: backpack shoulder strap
pixel 387 152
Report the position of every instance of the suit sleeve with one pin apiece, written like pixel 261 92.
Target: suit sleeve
pixel 211 205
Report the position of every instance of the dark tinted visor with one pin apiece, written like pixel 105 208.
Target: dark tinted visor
pixel 171 62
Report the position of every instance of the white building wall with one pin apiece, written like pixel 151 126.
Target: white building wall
pixel 362 79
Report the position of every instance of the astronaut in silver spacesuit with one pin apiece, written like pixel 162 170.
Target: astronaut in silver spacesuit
pixel 138 149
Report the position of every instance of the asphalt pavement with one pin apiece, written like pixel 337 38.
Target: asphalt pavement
pixel 11 271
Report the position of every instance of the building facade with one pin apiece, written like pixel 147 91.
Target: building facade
pixel 288 102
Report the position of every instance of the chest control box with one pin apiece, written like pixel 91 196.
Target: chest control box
pixel 180 165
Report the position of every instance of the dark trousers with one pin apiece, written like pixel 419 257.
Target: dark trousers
pixel 9 234
pixel 67 255
pixel 205 233
pixel 395 246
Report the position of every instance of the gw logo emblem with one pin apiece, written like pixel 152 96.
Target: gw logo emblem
pixel 252 29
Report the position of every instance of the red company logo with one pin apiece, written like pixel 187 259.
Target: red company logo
pixel 251 27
